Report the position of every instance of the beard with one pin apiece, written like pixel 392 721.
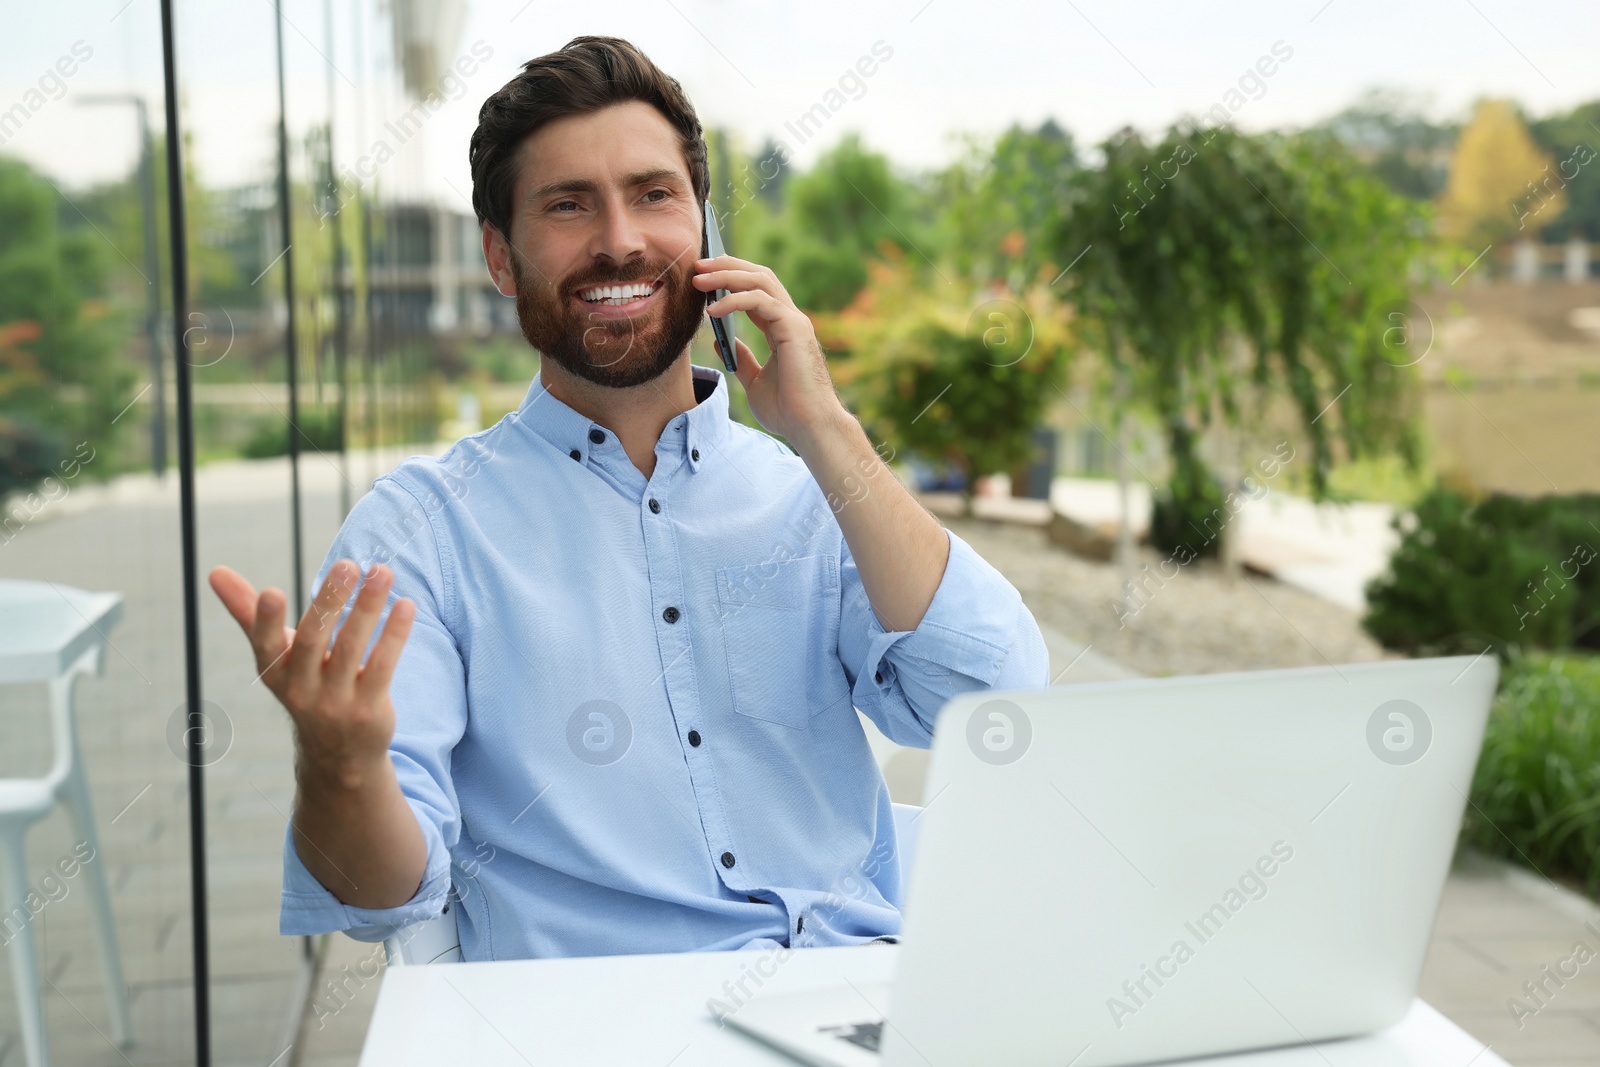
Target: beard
pixel 614 352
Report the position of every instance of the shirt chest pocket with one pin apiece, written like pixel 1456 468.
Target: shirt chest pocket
pixel 780 626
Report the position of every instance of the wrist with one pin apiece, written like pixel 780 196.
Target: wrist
pixel 833 426
pixel 341 777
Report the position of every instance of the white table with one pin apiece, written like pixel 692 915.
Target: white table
pixel 46 628
pixel 651 1011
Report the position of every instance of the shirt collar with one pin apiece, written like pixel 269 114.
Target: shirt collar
pixel 695 434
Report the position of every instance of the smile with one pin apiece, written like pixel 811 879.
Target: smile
pixel 622 295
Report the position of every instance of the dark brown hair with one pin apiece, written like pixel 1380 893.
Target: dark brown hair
pixel 587 74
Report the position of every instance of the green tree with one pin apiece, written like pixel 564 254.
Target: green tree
pixel 836 216
pixel 1388 132
pixel 1218 269
pixel 61 382
pixel 117 208
pixel 1572 141
pixel 996 202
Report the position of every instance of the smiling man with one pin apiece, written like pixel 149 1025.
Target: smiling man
pixel 599 682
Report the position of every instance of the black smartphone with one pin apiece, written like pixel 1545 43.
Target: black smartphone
pixel 721 329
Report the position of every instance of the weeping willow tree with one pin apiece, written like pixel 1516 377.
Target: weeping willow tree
pixel 1219 272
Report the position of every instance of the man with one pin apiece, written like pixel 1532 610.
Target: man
pixel 634 632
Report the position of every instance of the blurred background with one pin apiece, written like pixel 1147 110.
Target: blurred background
pixel 1237 336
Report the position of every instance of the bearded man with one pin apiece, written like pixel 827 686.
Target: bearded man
pixel 591 678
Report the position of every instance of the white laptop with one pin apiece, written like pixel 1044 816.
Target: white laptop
pixel 1133 871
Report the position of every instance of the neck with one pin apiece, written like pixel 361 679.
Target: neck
pixel 636 414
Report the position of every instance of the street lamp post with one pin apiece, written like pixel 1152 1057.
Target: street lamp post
pixel 152 266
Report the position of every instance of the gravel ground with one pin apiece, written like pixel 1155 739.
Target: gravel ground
pixel 1200 621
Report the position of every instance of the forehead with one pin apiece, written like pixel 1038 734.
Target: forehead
pixel 600 146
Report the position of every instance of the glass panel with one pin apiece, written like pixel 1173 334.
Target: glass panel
pixel 93 787
pixel 85 425
pixel 240 317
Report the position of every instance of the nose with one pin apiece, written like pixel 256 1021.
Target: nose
pixel 618 237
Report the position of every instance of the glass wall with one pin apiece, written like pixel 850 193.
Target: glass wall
pixel 324 295
pixel 97 897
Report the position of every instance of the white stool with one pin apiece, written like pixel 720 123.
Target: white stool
pixel 53 633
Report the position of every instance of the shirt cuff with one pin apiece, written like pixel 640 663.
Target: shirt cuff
pixel 968 629
pixel 309 908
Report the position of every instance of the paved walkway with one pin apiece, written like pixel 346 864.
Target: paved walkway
pixel 1329 550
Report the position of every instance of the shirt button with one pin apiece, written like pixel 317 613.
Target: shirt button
pixel 877 676
pixel 694 738
pixel 694 454
pixel 655 506
pixel 597 436
pixel 575 454
pixel 671 614
pixel 727 859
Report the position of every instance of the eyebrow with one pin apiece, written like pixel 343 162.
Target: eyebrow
pixel 586 185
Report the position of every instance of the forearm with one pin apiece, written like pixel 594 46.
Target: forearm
pixel 899 549
pixel 357 835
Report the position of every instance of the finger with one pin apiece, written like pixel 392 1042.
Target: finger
pixel 762 307
pixel 236 594
pixel 339 674
pixel 769 278
pixel 747 366
pixel 269 636
pixel 311 636
pixel 727 262
pixel 375 676
pixel 736 281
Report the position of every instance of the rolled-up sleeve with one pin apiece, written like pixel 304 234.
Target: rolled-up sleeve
pixel 976 634
pixel 394 525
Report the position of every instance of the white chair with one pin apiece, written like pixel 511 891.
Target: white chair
pixel 428 941
pixel 438 941
pixel 52 634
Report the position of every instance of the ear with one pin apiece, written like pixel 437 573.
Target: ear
pixel 497 254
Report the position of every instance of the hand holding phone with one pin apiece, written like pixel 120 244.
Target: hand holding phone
pixel 721 329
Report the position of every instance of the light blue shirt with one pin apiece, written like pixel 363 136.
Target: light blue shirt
pixel 626 713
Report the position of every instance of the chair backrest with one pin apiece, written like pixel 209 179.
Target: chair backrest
pixel 438 940
pixel 905 833
pixel 429 941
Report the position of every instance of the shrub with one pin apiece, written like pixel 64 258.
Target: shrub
pixel 28 454
pixel 1509 572
pixel 319 430
pixel 957 377
pixel 1536 793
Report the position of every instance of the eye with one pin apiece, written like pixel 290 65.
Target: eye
pixel 655 196
pixel 565 206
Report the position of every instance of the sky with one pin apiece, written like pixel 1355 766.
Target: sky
pixel 944 69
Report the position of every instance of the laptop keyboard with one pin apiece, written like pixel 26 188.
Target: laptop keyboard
pixel 866 1035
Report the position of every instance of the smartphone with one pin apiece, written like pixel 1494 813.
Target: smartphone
pixel 721 329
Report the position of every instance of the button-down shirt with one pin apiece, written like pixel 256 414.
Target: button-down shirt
pixel 626 713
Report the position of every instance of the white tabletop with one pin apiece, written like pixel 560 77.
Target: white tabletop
pixel 46 626
pixel 651 1010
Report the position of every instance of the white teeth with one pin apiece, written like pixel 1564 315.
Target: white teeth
pixel 617 294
